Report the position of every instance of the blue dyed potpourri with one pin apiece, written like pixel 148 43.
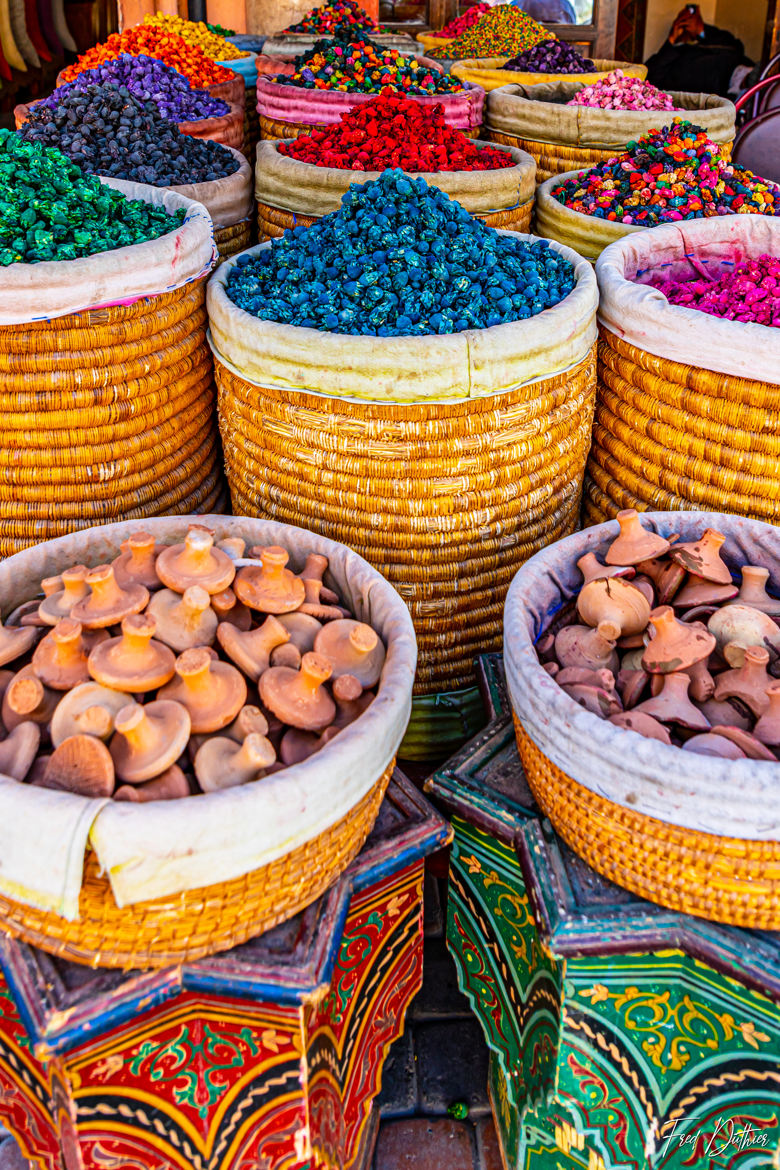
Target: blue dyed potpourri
pixel 399 258
pixel 49 210
pixel 149 81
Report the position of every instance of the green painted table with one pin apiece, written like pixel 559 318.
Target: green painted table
pixel 623 1036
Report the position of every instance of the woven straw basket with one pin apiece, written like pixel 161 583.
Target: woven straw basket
pixel 698 835
pixel 292 193
pixel 239 861
pixel 489 73
pixel 586 234
pixel 233 239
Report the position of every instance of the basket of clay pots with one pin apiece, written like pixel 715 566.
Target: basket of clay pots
pixel 202 719
pixel 643 663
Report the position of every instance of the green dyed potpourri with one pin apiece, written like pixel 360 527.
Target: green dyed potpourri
pixel 50 210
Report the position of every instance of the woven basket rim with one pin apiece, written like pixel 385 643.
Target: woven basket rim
pixel 728 798
pixel 576 219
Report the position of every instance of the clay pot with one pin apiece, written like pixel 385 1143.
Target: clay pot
pixel 315 605
pixel 699 591
pixel 26 614
pixel 232 546
pixel 753 592
pixel 352 648
pixel 135 565
pixel 228 608
pixel 767 729
pixel 635 543
pixel 59 604
pixel 642 724
pixel 674 645
pixel 578 675
pixel 632 685
pixel 592 569
pixel 748 744
pixel 748 682
pixel 552 668
pixel 645 587
pixel 724 714
pixel 50 585
pixel 250 720
pixel 594 699
pixel 271 588
pixel 632 660
pixel 108 602
pixel 667 577
pixel 251 650
pixel 738 626
pixel 302 628
pixel 297 746
pixel 149 739
pixel 19 749
pixel 15 641
pixel 184 620
pixel 89 709
pixel 298 697
pixel 82 765
pixel 213 692
pixel 222 763
pixel 171 785
pixel 702 557
pixel 134 662
pixel 196 562
pixel 672 705
pixel 351 699
pixel 314 570
pixel 286 655
pixel 714 745
pixel 27 699
pixel 614 600
pixel 702 682
pixel 60 660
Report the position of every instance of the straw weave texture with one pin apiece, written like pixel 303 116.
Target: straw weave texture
pixel 446 500
pixel 235 238
pixel 106 414
pixel 274 128
pixel 670 436
pixel 726 879
pixel 190 925
pixel 251 127
pixel 274 221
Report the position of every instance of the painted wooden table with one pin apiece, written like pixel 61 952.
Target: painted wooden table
pixel 267 1057
pixel 623 1036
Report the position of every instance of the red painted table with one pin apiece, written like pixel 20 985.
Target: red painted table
pixel 267 1057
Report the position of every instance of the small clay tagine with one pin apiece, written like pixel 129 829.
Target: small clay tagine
pixel 714 745
pixel 674 645
pixel 15 641
pixel 314 605
pixel 134 662
pixel 702 557
pixel 642 724
pixel 233 546
pixel 196 562
pixel 183 620
pixel 148 739
pixel 213 692
pixel 588 648
pixel 314 570
pixel 699 591
pixel 251 650
pixel 672 705
pixel 592 569
pixel 767 730
pixel 352 648
pixel 81 764
pixel 286 655
pixel 89 709
pixel 59 604
pixel 222 763
pixel 749 745
pixel 738 626
pixel 272 588
pixel 302 628
pixel 612 599
pixel 135 565
pixel 60 660
pixel 19 749
pixel 351 699
pixel 172 784
pixel 753 591
pixel 228 608
pixel 107 603
pixel 249 719
pixel 27 699
pixel 635 543
pixel 748 682
pixel 667 577
pixel 298 697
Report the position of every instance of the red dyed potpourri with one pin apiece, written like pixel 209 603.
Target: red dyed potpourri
pixel 393 131
pixel 750 291
pixel 461 23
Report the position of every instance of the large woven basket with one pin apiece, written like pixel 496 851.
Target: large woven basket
pixel 699 835
pixel 489 73
pixel 233 239
pixel 586 234
pixel 232 91
pixel 283 842
pixel 226 128
pixel 292 193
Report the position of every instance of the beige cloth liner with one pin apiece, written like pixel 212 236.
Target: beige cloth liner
pixel 153 850
pixel 54 288
pixel 302 187
pixel 489 72
pixel 535 112
pixel 227 200
pixel 584 233
pixel 472 364
pixel 643 317
pixel 292 45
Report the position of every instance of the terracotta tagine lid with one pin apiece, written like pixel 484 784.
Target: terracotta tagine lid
pixel 302 628
pixel 27 699
pixel 134 662
pixel 315 606
pixel 233 546
pixel 228 608
pixel 737 626
pixel 51 585
pixel 645 587
pixel 643 724
pixel 672 705
pixel 632 685
pixel 750 746
pixel 314 570
pixel 351 699
pixel 724 714
pixel 748 682
pixel 753 591
pixel 667 577
pixel 702 557
pixel 213 692
pixel 714 745
pixel 59 604
pixel 149 739
pixel 271 588
pixel 597 700
pixel 699 591
pixel 222 763
pixel 60 659
pixel 135 565
pixel 767 729
pixel 298 697
pixel 107 602
pixel 286 655
pixel 184 620
pixel 81 764
pixel 674 645
pixel 588 648
pixel 635 543
pixel 612 599
pixel 352 647
pixel 89 709
pixel 196 562
pixel 251 650
pixel 593 570
pixel 249 720
pixel 26 614
pixel 172 784
pixel 702 682
pixel 15 641
pixel 19 749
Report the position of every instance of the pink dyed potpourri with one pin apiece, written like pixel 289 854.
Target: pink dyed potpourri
pixel 750 291
pixel 618 92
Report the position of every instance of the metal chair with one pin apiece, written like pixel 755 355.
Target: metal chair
pixel 757 145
